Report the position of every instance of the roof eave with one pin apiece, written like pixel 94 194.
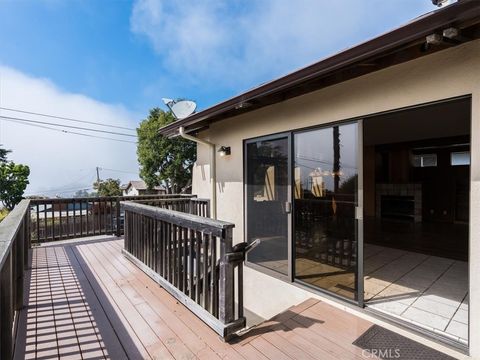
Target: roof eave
pixel 413 32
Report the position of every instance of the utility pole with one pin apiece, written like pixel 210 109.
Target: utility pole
pixel 98 174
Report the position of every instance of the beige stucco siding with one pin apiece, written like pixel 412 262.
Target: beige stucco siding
pixel 446 74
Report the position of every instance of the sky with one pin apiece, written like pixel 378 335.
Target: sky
pixel 111 61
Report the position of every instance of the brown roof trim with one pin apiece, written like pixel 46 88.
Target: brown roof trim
pixel 463 11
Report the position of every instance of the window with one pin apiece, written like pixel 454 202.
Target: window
pixel 425 160
pixel 460 158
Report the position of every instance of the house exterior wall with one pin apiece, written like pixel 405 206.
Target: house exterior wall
pixel 450 73
pixel 131 191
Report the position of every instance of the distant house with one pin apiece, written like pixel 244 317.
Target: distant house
pixel 138 187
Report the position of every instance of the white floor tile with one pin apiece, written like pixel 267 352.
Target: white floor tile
pixel 461 316
pixel 426 319
pixel 458 329
pixel 435 307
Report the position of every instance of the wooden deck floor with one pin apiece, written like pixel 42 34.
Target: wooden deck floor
pixel 86 301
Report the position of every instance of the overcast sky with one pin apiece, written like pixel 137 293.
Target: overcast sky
pixel 111 61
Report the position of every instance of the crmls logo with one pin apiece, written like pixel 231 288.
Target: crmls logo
pixel 383 354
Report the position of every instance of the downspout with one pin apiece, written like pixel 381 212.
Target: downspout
pixel 213 167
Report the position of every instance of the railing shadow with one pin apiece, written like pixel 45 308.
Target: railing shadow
pixel 278 323
pixel 67 312
pixel 97 295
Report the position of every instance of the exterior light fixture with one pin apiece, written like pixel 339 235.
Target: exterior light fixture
pixel 224 151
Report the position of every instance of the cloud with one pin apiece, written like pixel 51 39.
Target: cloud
pixel 208 42
pixel 59 161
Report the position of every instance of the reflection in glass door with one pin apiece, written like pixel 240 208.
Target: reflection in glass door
pixel 325 200
pixel 267 201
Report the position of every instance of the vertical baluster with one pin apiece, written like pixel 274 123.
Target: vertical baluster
pixel 163 247
pixel 175 249
pixel 134 234
pixel 136 238
pixel 110 209
pixel 205 288
pixel 198 241
pixel 87 230
pixel 67 233
pixel 95 216
pixel 81 218
pixel 74 204
pixel 118 231
pixel 213 272
pixel 185 260
pixel 180 259
pixel 38 222
pixel 45 220
pixel 126 236
pixel 142 237
pixel 172 254
pixel 191 272
pixel 156 248
pixel 168 252
pixel 60 230
pixel 53 221
pixel 150 242
pixel 104 209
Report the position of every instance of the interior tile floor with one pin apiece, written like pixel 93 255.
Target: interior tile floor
pixel 428 291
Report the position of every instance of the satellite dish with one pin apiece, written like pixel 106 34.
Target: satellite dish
pixel 180 109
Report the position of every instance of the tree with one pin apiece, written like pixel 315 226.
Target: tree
pixel 164 161
pixel 109 187
pixel 3 155
pixel 81 193
pixel 13 182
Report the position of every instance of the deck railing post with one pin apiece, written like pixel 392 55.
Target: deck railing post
pixel 6 309
pixel 226 301
pixel 118 231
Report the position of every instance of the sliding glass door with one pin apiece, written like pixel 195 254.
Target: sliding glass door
pixel 325 188
pixel 268 202
pixel 302 202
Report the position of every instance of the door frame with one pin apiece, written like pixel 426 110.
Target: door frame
pixel 288 135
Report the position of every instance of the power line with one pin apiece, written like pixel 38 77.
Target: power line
pixel 69 132
pixel 120 171
pixel 66 118
pixel 67 126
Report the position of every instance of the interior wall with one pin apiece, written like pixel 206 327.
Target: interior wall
pixel 399 133
pixel 450 73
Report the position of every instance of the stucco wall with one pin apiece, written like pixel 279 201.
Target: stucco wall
pixel 447 74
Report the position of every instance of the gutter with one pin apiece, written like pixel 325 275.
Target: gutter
pixel 213 167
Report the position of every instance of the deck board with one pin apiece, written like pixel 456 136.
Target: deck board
pixel 85 300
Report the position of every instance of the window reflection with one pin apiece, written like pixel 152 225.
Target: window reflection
pixel 325 177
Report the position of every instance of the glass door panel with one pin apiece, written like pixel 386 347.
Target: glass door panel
pixel 325 200
pixel 267 202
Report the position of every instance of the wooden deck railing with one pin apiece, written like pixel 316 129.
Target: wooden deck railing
pixel 14 244
pixel 194 206
pixel 192 257
pixel 67 218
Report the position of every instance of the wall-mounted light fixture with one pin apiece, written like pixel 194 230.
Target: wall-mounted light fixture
pixel 224 151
